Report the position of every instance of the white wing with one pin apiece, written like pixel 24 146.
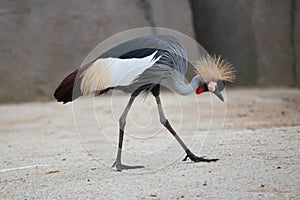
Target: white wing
pixel 112 72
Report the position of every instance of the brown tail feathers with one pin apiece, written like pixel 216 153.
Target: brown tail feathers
pixel 67 90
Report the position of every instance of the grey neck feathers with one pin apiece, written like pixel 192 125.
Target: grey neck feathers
pixel 184 89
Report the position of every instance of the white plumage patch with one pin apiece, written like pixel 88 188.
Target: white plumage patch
pixel 96 77
pixel 112 72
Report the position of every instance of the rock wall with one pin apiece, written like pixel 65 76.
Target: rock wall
pixel 272 22
pixel 172 14
pixel 258 36
pixel 224 27
pixel 296 40
pixel 43 40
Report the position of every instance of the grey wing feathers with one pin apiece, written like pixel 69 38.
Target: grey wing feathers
pixel 173 59
pixel 168 47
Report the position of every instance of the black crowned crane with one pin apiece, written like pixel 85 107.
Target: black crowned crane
pixel 143 64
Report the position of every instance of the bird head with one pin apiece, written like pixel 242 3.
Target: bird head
pixel 213 72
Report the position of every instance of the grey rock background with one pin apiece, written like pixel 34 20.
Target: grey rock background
pixel 41 41
pixel 224 27
pixel 261 37
pixel 296 40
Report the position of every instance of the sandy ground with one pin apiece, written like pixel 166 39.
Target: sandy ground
pixel 43 155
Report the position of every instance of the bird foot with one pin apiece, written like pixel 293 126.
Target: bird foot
pixel 120 166
pixel 194 158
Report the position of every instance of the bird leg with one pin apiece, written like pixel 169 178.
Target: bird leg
pixel 122 122
pixel 166 124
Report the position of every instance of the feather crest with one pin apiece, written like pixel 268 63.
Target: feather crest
pixel 214 68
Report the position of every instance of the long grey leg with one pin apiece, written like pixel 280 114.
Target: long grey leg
pixel 166 124
pixel 122 123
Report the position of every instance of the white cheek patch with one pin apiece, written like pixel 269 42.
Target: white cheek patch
pixel 212 86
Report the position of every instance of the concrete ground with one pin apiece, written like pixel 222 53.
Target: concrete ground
pixel 54 151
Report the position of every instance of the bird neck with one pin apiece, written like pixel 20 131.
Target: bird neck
pixel 185 89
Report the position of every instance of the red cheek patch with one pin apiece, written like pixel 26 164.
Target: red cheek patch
pixel 200 90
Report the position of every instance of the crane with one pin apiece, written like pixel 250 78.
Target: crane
pixel 143 64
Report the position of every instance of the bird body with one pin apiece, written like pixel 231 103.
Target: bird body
pixel 143 64
pixel 130 66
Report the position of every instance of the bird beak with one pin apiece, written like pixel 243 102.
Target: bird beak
pixel 218 94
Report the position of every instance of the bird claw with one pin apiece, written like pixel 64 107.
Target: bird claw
pixel 194 158
pixel 120 166
pixel 185 158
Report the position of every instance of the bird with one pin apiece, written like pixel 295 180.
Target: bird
pixel 144 64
